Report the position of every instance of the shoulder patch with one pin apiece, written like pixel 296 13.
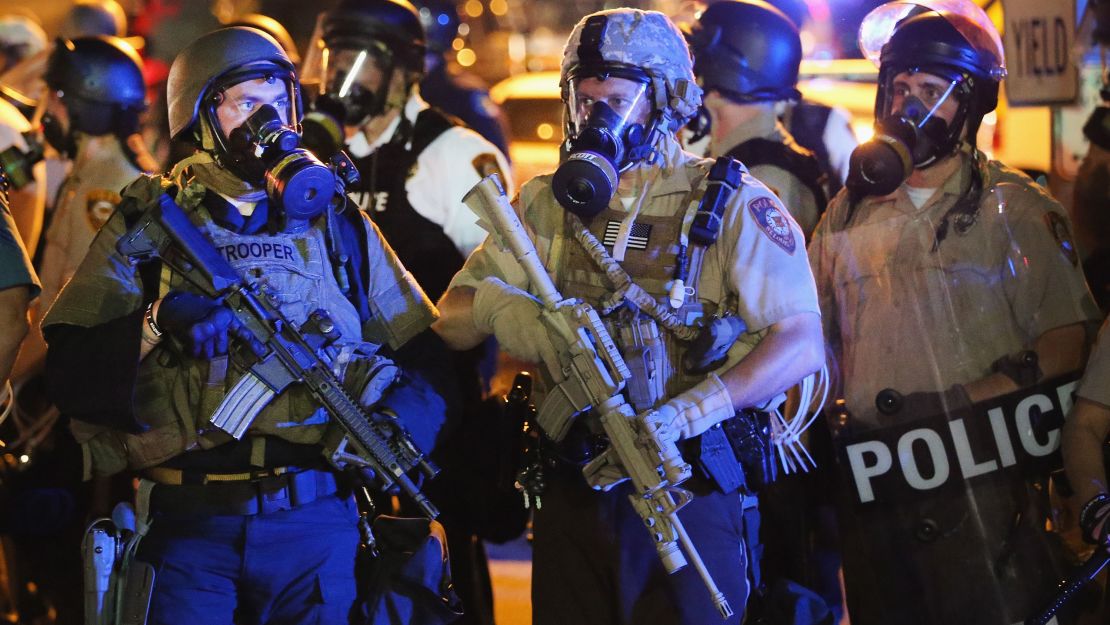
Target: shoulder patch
pixel 486 164
pixel 773 223
pixel 1058 226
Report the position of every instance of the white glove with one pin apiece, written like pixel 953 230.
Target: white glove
pixel 691 412
pixel 513 317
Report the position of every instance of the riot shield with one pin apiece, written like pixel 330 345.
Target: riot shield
pixel 944 511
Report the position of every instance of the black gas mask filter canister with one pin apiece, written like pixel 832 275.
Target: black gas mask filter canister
pixel 909 138
pixel 264 150
pixel 585 181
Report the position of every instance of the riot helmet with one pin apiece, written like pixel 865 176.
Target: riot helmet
pixel 215 62
pixel 951 39
pixel 655 93
pixel 440 19
pixel 89 18
pixel 359 50
pixel 99 81
pixel 273 28
pixel 746 50
pixel 940 63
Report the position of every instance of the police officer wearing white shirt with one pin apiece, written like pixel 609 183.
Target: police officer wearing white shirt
pixel 416 162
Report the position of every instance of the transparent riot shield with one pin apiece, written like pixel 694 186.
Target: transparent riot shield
pixel 944 510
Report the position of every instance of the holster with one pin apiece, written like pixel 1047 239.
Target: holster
pixel 736 453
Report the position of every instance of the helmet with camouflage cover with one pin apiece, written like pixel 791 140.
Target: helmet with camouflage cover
pixel 644 46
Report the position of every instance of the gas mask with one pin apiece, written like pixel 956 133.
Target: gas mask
pixel 264 151
pixel 605 143
pixel 340 75
pixel 913 137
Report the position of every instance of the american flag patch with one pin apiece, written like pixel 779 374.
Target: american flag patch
pixel 637 239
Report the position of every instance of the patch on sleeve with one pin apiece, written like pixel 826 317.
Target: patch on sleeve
pixel 486 164
pixel 773 223
pixel 1058 226
pixel 99 206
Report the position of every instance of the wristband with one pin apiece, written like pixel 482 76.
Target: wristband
pixel 1086 522
pixel 150 322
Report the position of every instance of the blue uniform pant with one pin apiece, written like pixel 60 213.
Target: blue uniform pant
pixel 595 564
pixel 292 567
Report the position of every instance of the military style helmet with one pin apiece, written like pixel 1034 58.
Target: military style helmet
pixel 100 82
pixel 636 45
pixel 216 61
pixel 441 23
pixel 747 50
pixel 273 28
pixel 952 39
pixel 89 18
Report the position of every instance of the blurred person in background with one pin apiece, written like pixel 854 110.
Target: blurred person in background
pixel 822 129
pixel 89 18
pixel 23 51
pixel 457 93
pixel 746 57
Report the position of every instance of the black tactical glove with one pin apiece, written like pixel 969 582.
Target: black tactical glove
pixel 201 324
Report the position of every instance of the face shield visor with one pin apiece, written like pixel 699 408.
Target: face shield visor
pixel 349 76
pixel 608 128
pixel 965 16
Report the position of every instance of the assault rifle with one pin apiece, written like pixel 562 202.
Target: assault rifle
pixel 591 374
pixel 286 355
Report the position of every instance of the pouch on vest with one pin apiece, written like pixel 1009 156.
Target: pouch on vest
pixel 645 353
pixel 724 179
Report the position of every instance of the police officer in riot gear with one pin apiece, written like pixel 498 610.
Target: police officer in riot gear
pixel 968 266
pixel 260 529
pixel 416 163
pixel 628 86
pixel 746 57
pixel 457 93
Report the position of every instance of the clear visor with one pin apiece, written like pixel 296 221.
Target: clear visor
pixel 965 16
pixel 626 98
pixel 920 96
pixel 341 68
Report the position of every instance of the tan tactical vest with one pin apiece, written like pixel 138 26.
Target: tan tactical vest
pixel 651 352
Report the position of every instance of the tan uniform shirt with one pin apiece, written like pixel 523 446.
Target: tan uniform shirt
pixel 759 257
pixel 899 314
pixel 85 201
pixel 796 196
pixel 1096 380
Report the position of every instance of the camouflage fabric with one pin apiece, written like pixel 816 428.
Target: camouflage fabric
pixel 650 41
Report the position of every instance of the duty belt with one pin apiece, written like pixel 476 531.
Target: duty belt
pixel 184 494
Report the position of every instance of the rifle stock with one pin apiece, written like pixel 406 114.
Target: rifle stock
pixel 287 355
pixel 591 374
